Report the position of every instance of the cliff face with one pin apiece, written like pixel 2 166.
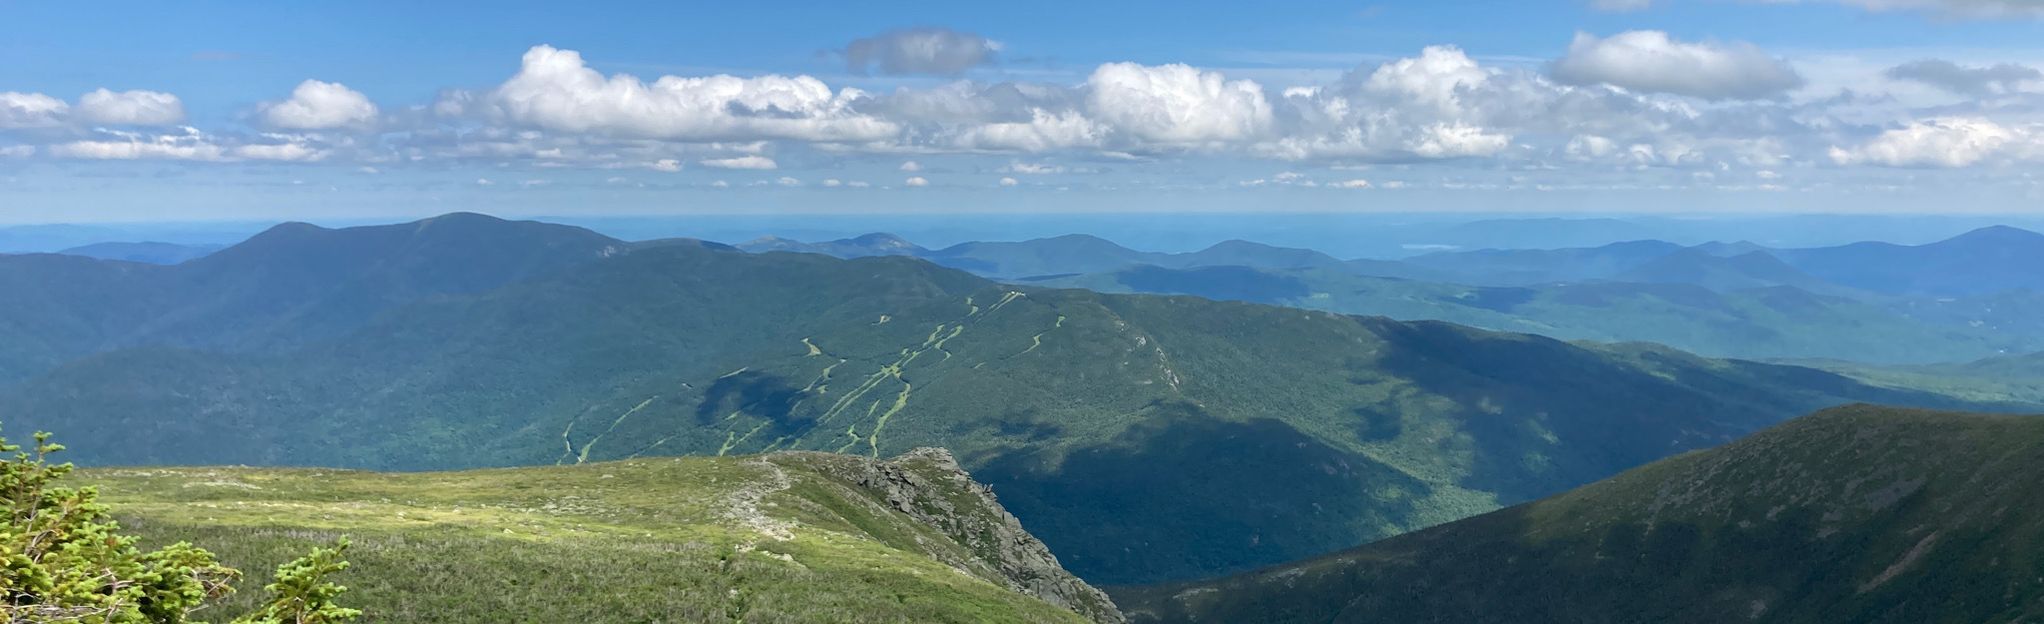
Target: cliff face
pixel 928 484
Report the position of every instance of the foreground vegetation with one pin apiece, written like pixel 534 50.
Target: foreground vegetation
pixel 1857 514
pixel 784 538
pixel 67 560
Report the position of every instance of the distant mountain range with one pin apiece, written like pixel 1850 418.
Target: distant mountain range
pixel 1770 322
pixel 1865 302
pixel 1343 235
pixel 1979 262
pixel 856 247
pixel 1987 260
pixel 54 238
pixel 1857 514
pixel 146 253
pixel 1062 255
pixel 1144 438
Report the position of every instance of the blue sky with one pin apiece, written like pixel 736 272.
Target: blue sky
pixel 367 109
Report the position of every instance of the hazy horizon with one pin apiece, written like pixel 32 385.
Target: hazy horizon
pixel 1348 235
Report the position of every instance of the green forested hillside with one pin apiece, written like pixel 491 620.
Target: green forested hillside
pixel 1701 267
pixel 875 244
pixel 2006 379
pixel 1722 299
pixel 1069 254
pixel 1144 438
pixel 1527 267
pixel 1856 514
pixel 293 284
pixel 1757 322
pixel 776 538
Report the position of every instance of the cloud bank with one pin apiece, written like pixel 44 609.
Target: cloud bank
pixel 936 51
pixel 1650 61
pixel 1622 102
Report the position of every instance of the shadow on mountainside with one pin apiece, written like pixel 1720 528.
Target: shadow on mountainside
pixel 759 394
pixel 1185 494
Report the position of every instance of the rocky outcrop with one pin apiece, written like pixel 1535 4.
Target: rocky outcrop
pixel 928 484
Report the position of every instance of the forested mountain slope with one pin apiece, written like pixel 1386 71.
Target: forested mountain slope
pixel 1856 514
pixel 1144 438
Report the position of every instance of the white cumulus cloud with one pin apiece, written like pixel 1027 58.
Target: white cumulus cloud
pixel 1439 104
pixel 1032 168
pixel 1650 61
pixel 1457 140
pixel 287 152
pixel 761 163
pixel 316 105
pixel 555 90
pixel 1589 147
pixel 186 145
pixel 916 181
pixel 1996 79
pixel 136 108
pixel 1176 104
pixel 30 110
pixel 1941 142
pixel 1439 77
pixel 1045 131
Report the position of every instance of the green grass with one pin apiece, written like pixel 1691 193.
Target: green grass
pixel 650 540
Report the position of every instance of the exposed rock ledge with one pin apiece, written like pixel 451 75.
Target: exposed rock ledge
pixel 928 484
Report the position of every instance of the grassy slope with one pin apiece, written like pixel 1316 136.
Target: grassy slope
pixel 1861 514
pixel 671 540
pixel 1144 438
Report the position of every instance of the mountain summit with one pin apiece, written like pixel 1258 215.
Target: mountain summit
pixel 875 244
pixel 1986 260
